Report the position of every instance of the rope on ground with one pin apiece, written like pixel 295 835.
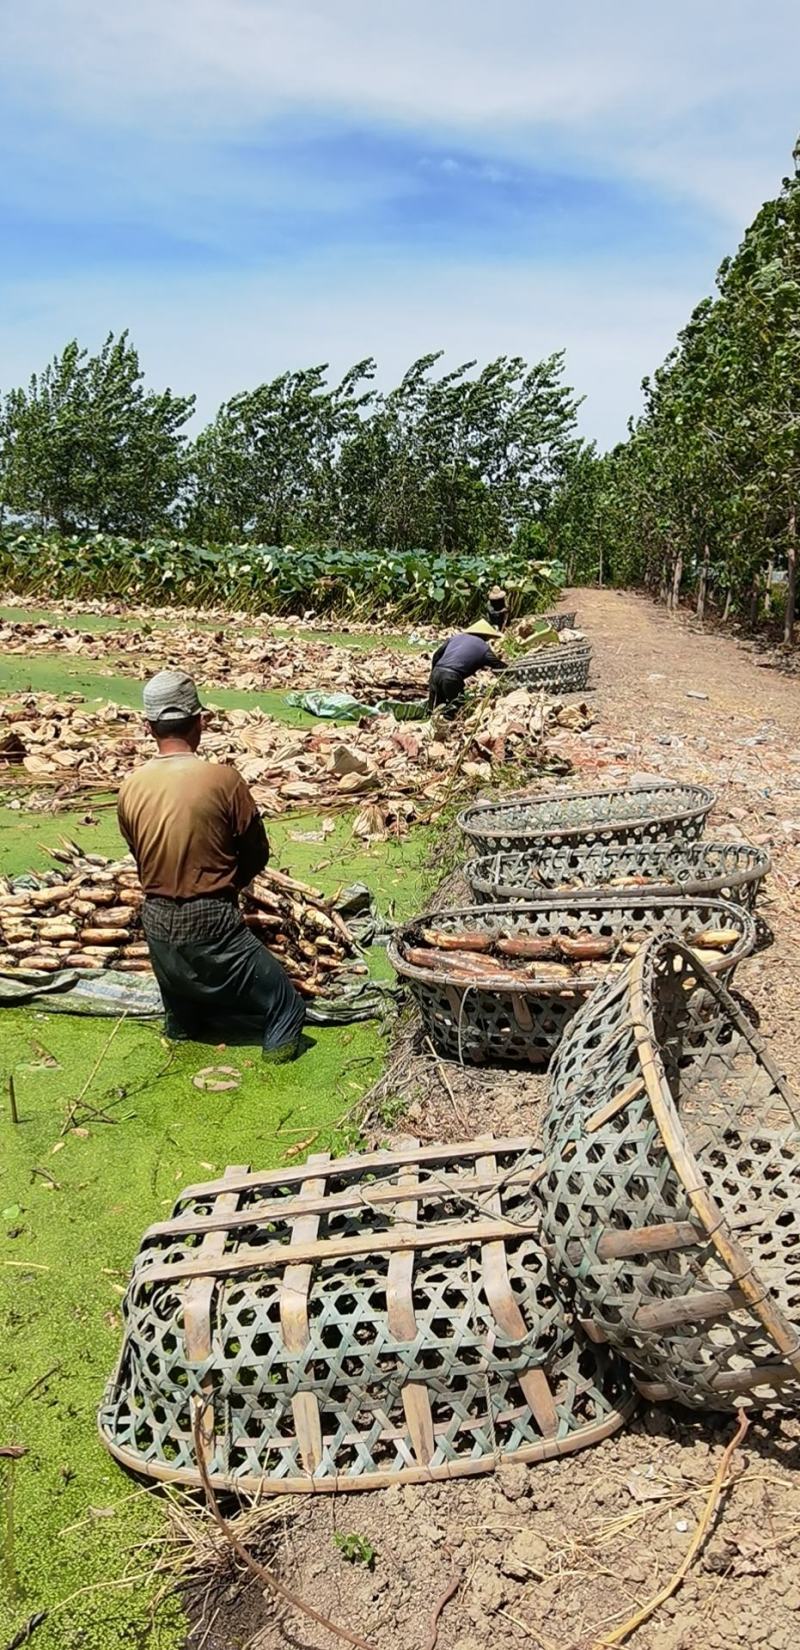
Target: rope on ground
pixel 621 1633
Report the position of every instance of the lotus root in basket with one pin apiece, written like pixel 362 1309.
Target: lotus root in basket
pixel 355 1323
pixel 558 669
pixel 721 870
pixel 571 818
pixel 501 982
pixel 671 1194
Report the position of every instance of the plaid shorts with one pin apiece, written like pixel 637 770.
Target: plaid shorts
pixel 180 921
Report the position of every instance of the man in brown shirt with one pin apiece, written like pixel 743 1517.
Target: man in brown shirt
pixel 197 838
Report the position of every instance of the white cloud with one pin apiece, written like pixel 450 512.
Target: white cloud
pixel 699 95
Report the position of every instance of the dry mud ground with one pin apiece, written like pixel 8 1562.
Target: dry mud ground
pixel 557 1554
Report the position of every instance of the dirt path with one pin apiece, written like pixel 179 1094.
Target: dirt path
pixel 742 739
pixel 555 1555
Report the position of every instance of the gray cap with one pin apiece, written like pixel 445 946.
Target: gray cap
pixel 171 696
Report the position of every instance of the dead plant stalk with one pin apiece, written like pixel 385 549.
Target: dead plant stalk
pixel 647 1610
pixel 269 1582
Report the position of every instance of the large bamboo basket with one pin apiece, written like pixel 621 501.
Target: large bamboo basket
pixel 483 1023
pixel 720 870
pixel 671 1194
pixel 573 818
pixel 561 669
pixel 354 1323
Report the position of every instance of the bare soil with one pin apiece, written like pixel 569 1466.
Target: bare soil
pixel 557 1554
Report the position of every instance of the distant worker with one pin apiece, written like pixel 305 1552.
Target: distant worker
pixel 197 838
pixel 456 660
pixel 497 608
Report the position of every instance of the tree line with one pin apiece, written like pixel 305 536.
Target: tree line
pixel 462 461
pixel 701 501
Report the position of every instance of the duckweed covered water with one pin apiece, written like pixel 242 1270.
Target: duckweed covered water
pixel 72 1210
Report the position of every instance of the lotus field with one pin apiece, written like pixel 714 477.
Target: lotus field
pixel 405 584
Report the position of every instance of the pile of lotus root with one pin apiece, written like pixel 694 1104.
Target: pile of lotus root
pixel 495 960
pixel 87 916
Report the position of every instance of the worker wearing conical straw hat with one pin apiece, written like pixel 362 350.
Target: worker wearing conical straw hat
pixel 497 607
pixel 198 838
pixel 456 660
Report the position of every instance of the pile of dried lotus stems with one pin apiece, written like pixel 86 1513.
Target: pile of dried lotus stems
pixel 86 916
pixel 64 751
pixel 235 657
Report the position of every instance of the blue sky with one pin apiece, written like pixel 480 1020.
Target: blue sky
pixel 255 184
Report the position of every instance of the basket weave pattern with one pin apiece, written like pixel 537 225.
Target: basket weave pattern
pixel 480 1024
pixel 645 814
pixel 671 1196
pixel 562 669
pixel 723 870
pixel 418 1332
pixel 561 621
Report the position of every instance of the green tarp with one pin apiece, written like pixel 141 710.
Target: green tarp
pixel 342 707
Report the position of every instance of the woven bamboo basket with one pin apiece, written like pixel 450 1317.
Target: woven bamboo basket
pixel 671 1196
pixel 561 621
pixel 533 824
pixel 722 870
pixel 561 669
pixel 523 1022
pixel 354 1323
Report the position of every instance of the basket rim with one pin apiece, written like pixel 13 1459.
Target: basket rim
pixel 759 867
pixel 559 650
pixel 545 1449
pixel 468 822
pixel 529 986
pixel 568 652
pixel 676 1142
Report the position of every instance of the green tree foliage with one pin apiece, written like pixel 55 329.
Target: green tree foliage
pixel 85 446
pixel 451 463
pixel 461 462
pixel 702 498
pixel 267 466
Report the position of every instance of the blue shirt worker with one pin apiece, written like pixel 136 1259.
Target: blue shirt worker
pixel 198 838
pixel 456 660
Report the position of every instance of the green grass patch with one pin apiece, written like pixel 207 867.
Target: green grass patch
pixel 70 1223
pixel 96 682
pixel 394 870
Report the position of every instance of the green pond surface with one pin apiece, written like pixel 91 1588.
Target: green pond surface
pixel 73 1208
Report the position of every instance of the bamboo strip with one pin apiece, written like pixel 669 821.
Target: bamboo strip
pixel 294 1317
pixel 402 1322
pixel 258 1484
pixel 197 1328
pixel 358 1164
pixel 499 1294
pixel 733 1254
pixel 276 1254
pixel 362 1196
